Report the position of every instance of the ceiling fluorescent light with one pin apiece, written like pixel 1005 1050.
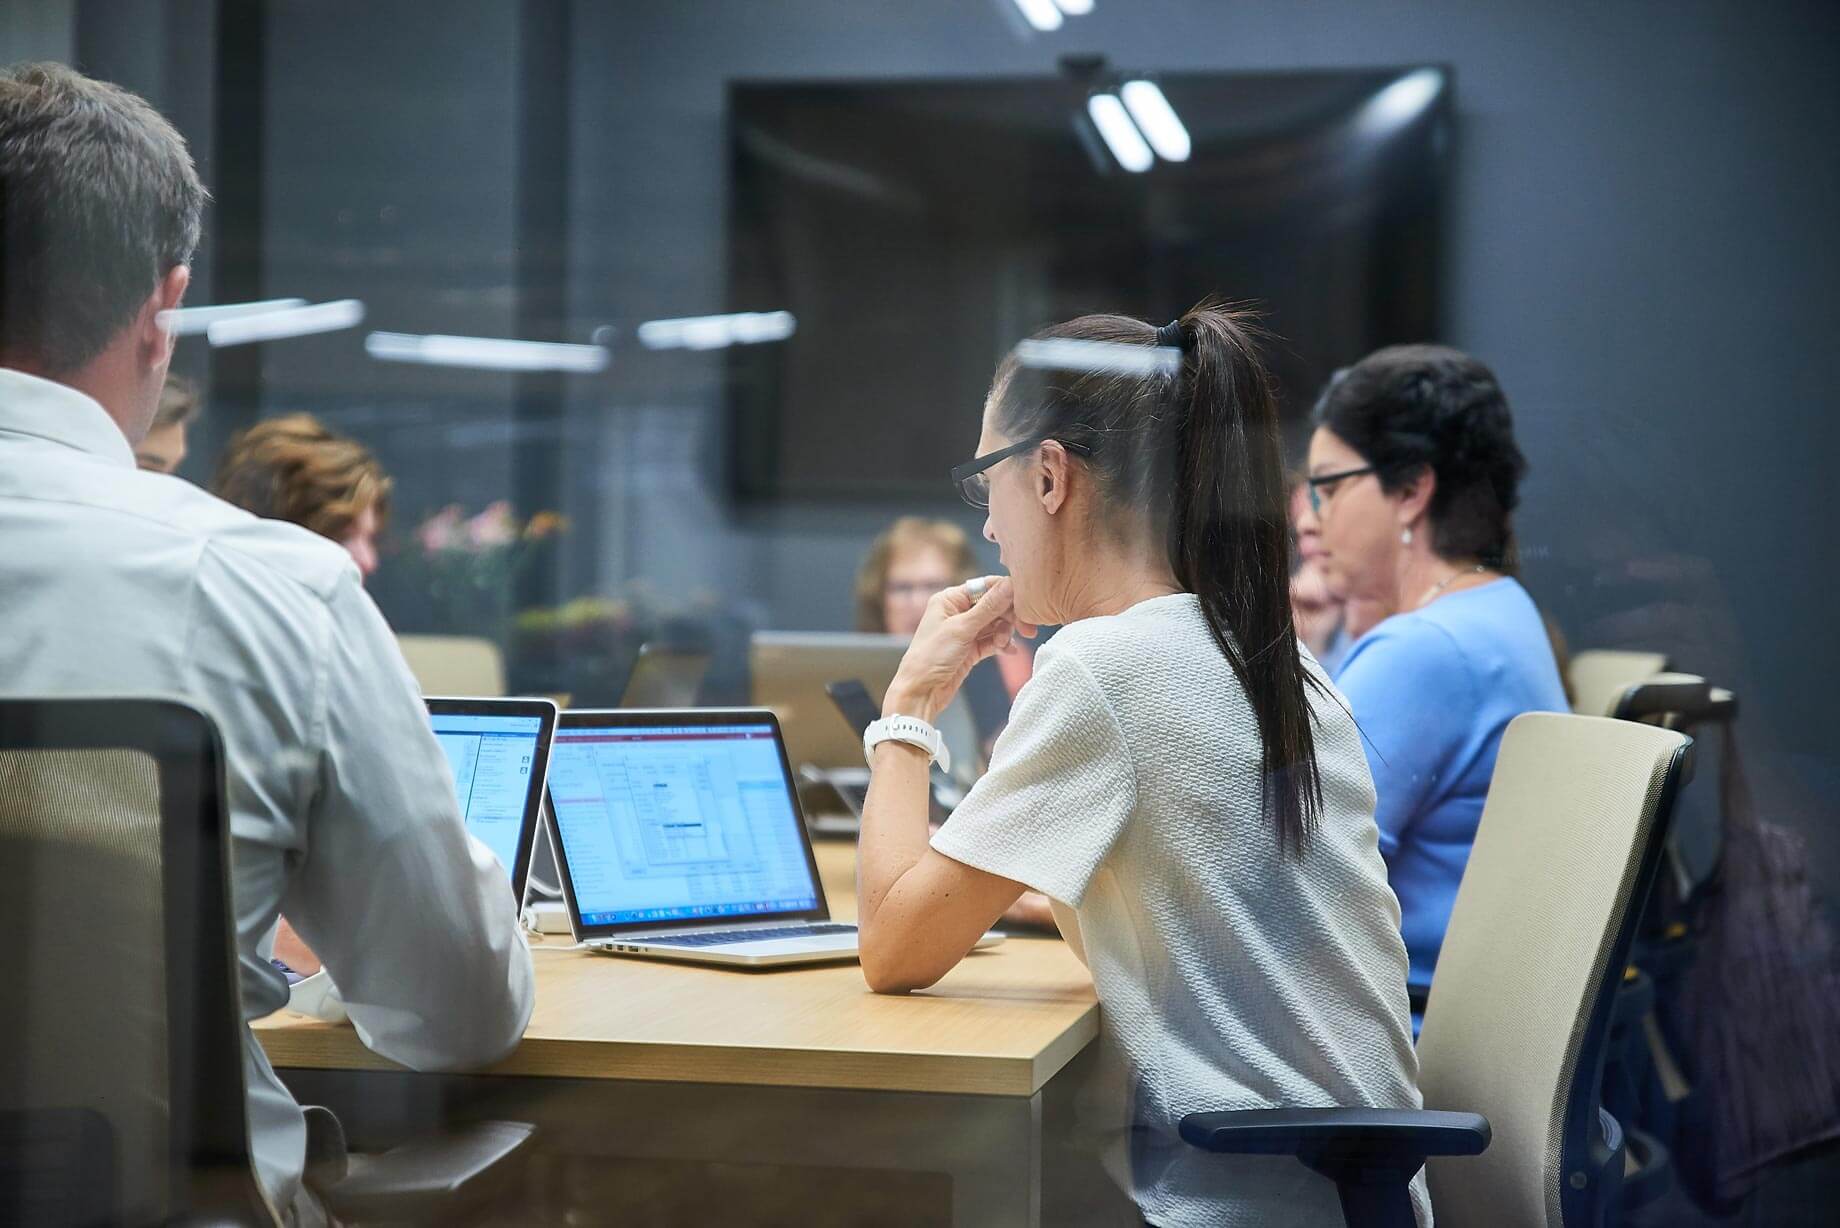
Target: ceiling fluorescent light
pixel 1075 8
pixel 1040 13
pixel 1120 135
pixel 716 332
pixel 286 322
pixel 189 321
pixel 486 353
pixel 1158 121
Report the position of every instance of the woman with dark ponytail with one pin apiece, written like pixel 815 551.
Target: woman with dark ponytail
pixel 1178 777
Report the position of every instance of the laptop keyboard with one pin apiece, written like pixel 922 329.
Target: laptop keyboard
pixel 769 934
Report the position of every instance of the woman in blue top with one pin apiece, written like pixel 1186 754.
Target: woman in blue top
pixel 1414 475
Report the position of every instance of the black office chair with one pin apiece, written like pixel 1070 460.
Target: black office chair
pixel 1644 1084
pixel 121 1085
pixel 1519 1017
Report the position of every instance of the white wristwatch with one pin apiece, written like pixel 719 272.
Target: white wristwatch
pixel 911 730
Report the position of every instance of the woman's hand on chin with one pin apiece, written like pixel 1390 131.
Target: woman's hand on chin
pixel 958 630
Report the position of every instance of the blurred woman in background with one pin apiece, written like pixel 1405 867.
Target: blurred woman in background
pixel 908 562
pixel 162 450
pixel 292 468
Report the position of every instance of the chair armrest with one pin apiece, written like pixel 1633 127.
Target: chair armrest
pixel 428 1179
pixel 1308 1133
pixel 1372 1155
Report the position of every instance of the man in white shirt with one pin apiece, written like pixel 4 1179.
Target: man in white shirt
pixel 118 581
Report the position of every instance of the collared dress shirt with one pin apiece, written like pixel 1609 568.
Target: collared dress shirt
pixel 115 581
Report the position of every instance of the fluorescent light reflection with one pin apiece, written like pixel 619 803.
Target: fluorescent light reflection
pixel 1040 13
pixel 717 332
pixel 1119 133
pixel 1158 121
pixel 1401 102
pixel 486 353
pixel 190 321
pixel 286 322
pixel 1110 357
pixel 1075 8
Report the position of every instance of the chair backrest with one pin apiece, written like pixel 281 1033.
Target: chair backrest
pixel 121 1051
pixel 1520 1005
pixel 454 664
pixel 1696 836
pixel 1600 676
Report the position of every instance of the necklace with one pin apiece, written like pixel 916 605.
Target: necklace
pixel 1446 582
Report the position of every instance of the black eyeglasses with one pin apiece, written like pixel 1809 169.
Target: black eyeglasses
pixel 973 480
pixel 1316 484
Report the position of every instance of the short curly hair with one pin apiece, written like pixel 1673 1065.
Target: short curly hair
pixel 1410 407
pixel 292 468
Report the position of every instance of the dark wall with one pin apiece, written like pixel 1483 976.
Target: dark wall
pixel 45 30
pixel 1643 245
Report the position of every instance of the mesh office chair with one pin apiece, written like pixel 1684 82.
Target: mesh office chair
pixel 121 1077
pixel 1514 1038
pixel 121 1039
pixel 454 664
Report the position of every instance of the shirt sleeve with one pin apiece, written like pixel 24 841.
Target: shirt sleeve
pixel 410 914
pixel 1059 791
pixel 1412 695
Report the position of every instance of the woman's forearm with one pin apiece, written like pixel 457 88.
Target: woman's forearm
pixel 894 827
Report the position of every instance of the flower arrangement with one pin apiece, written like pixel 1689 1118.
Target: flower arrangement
pixel 466 568
pixel 586 647
pixel 458 574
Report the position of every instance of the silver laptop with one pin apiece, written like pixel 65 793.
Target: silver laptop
pixel 664 677
pixel 791 670
pixel 678 836
pixel 499 752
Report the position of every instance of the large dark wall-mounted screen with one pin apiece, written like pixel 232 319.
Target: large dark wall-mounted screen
pixel 915 231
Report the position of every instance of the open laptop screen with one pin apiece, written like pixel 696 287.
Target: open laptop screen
pixel 492 758
pixel 664 824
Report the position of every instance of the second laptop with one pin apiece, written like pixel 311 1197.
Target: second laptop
pixel 678 836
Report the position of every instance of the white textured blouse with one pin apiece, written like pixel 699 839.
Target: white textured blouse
pixel 1229 974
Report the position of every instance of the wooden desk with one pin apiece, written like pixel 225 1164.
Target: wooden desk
pixel 840 1071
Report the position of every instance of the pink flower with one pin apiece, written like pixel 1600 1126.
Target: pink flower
pixel 440 531
pixel 495 526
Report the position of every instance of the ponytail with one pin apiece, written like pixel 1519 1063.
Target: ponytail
pixel 1229 544
pixel 1194 448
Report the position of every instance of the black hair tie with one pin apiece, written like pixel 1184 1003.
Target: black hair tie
pixel 1170 335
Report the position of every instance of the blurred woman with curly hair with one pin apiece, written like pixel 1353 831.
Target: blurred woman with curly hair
pixel 292 468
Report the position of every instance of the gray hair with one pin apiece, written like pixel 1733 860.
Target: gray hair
pixel 98 201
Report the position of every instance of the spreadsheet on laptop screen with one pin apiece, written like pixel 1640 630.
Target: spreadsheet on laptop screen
pixel 678 823
pixel 492 759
